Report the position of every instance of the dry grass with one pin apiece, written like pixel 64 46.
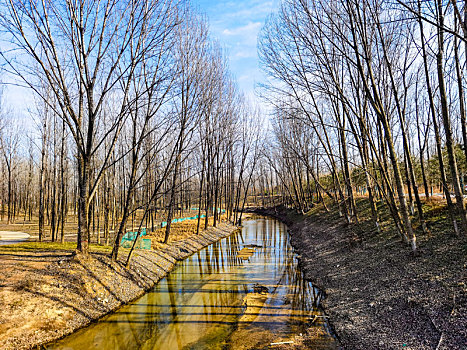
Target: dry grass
pixel 178 231
pixel 32 226
pixel 29 247
pixel 435 211
pixel 71 225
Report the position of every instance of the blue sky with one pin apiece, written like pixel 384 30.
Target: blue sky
pixel 236 24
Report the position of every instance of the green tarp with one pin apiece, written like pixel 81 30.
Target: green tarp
pixel 129 238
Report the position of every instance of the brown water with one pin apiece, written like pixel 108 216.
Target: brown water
pixel 209 301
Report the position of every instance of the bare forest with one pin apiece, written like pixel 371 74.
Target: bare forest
pixel 136 120
pixel 368 101
pixel 323 209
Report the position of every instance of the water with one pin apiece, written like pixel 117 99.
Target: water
pixel 209 302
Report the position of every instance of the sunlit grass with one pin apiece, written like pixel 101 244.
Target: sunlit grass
pixel 51 246
pixel 71 224
pixel 435 212
pixel 180 230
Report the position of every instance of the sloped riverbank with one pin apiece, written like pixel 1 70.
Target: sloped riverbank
pixel 47 294
pixel 378 294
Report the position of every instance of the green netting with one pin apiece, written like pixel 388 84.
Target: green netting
pixel 129 237
pixel 142 243
pixel 145 243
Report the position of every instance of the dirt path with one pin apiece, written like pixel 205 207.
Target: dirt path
pixel 379 295
pixel 46 294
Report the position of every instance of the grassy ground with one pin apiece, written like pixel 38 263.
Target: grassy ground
pixel 178 231
pixel 29 247
pixel 31 226
pixel 435 212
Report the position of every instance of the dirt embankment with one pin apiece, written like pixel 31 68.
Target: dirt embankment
pixel 45 295
pixel 379 294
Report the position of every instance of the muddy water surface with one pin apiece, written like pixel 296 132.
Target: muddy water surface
pixel 245 291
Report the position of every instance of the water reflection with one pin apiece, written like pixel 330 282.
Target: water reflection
pixel 207 301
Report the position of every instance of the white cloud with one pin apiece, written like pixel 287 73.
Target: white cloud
pixel 252 28
pixel 245 54
pixel 256 9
